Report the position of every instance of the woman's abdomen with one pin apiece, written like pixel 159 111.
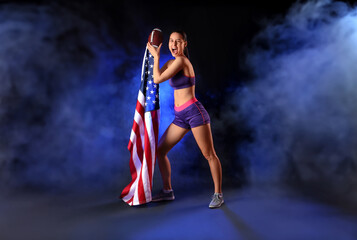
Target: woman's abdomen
pixel 184 95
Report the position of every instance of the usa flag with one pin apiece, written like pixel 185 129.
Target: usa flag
pixel 143 138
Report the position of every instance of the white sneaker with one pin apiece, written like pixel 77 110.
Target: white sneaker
pixel 217 200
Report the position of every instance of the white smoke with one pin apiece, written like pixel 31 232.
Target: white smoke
pixel 301 104
pixel 62 100
pixel 67 98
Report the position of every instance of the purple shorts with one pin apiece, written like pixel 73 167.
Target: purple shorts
pixel 191 114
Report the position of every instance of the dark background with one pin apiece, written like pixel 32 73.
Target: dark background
pixel 70 80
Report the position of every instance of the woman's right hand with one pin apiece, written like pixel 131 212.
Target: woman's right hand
pixel 155 52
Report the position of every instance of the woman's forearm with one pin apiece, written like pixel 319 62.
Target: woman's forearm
pixel 156 69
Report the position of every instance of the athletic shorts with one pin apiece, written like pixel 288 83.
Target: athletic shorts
pixel 191 114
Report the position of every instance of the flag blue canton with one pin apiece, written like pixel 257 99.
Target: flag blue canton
pixel 148 87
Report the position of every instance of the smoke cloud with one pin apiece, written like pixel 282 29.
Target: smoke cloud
pixel 301 103
pixel 69 85
pixel 60 98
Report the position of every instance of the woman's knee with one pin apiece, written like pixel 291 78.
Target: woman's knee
pixel 210 155
pixel 161 151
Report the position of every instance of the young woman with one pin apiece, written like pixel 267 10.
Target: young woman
pixel 189 115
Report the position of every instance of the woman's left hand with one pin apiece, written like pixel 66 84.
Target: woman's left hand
pixel 155 52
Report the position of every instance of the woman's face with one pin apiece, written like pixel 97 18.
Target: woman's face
pixel 177 44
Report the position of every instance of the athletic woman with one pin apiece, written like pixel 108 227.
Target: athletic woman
pixel 189 115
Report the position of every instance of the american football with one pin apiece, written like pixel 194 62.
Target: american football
pixel 155 37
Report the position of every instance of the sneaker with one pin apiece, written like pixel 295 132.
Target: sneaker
pixel 162 196
pixel 217 200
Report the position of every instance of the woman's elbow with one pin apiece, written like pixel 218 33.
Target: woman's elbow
pixel 158 80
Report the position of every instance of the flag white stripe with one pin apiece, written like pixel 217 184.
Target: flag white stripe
pixel 145 177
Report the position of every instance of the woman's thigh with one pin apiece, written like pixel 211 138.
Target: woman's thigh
pixel 171 137
pixel 203 137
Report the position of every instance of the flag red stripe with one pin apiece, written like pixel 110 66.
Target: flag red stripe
pixel 130 146
pixel 155 120
pixel 130 202
pixel 140 109
pixel 139 146
pixel 148 152
pixel 141 192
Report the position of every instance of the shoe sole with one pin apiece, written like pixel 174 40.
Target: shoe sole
pixel 212 207
pixel 164 199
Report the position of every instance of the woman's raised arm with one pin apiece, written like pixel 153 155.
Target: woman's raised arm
pixel 170 69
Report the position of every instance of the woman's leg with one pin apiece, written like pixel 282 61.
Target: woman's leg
pixel 169 139
pixel 204 140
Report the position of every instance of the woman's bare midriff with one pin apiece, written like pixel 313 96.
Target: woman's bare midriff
pixel 183 95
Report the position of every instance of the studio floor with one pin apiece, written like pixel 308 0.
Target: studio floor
pixel 247 214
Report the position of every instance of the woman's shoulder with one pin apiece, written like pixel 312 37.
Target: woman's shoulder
pixel 169 62
pixel 178 59
pixel 183 60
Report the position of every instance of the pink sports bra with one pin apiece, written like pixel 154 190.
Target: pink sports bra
pixel 181 81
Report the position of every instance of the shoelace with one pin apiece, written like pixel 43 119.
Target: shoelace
pixel 215 197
